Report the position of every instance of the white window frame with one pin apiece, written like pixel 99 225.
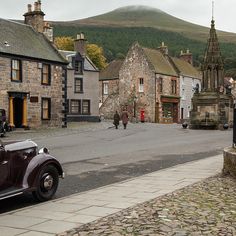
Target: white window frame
pixel 141 85
pixel 105 88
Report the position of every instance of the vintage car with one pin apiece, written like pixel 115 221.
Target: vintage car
pixel 24 168
pixel 3 123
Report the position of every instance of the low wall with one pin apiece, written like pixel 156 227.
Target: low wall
pixel 230 161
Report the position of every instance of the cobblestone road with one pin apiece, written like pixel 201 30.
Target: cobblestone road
pixel 205 208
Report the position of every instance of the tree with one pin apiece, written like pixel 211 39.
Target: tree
pixel 95 53
pixel 64 43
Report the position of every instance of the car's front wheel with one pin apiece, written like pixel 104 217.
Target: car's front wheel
pixel 47 183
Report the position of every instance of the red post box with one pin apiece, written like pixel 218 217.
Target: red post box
pixel 142 116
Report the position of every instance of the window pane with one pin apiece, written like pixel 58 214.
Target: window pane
pixel 46 74
pixel 141 85
pixel 105 88
pixel 78 67
pixel 15 70
pixel 78 85
pixel 45 108
pixel 85 108
pixel 75 106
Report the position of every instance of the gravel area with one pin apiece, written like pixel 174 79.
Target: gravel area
pixel 205 208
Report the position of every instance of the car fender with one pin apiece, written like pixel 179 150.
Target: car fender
pixel 34 167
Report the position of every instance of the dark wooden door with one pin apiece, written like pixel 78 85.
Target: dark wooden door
pixel 175 113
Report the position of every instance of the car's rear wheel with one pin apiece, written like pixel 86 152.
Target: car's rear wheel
pixel 47 183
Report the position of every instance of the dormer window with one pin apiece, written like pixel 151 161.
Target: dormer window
pixel 78 67
pixel 78 64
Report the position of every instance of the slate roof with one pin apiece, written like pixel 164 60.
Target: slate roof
pixel 88 64
pixel 185 68
pixel 160 62
pixel 22 40
pixel 111 71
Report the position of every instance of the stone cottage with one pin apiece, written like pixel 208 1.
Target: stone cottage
pixel 82 84
pixel 109 88
pixel 32 73
pixel 149 82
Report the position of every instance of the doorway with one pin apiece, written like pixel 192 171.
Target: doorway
pixel 18 111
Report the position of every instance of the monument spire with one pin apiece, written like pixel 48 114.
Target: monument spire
pixel 213 78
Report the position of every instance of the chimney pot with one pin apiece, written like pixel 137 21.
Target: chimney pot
pixel 29 8
pixel 39 5
pixel 35 6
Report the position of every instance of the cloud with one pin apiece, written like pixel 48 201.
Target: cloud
pixel 198 12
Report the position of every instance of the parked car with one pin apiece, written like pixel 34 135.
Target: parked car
pixel 3 123
pixel 24 168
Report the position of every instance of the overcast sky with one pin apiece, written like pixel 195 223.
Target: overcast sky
pixel 195 11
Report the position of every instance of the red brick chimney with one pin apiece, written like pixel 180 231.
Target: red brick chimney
pixel 35 18
pixel 186 56
pixel 80 44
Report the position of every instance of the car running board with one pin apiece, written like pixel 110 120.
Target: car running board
pixel 11 192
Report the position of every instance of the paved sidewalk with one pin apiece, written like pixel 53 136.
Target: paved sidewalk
pixel 63 214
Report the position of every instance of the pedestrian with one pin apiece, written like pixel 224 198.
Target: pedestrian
pixel 124 118
pixel 116 121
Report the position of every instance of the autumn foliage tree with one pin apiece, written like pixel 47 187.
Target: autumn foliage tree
pixel 95 53
pixel 64 43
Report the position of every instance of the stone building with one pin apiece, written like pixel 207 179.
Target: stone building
pixel 82 84
pixel 212 107
pixel 148 81
pixel 32 73
pixel 190 81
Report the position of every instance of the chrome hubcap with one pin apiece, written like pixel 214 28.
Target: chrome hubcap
pixel 48 182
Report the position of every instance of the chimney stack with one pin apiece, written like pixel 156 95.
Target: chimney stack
pixel 48 31
pixel 186 56
pixel 163 48
pixel 80 44
pixel 35 18
pixel 29 8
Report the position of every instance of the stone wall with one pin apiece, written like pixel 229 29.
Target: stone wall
pixel 110 106
pixel 230 161
pixel 136 66
pixel 31 84
pixel 113 88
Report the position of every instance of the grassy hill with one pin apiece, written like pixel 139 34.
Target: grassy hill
pixel 141 16
pixel 117 30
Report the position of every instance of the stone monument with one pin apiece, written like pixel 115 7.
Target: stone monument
pixel 211 108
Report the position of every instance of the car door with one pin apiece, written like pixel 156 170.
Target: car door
pixel 4 170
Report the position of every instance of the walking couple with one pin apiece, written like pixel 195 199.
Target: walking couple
pixel 124 117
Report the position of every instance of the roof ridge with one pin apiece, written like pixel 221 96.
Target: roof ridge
pixel 16 22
